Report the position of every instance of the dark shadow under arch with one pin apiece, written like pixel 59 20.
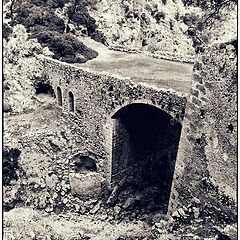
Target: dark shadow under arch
pixel 144 147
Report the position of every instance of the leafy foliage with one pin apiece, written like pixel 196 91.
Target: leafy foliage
pixel 78 14
pixel 164 2
pixel 206 4
pixel 32 13
pixel 49 3
pixel 32 16
pixel 39 18
pixel 159 15
pixel 6 30
pixel 190 19
pixel 65 47
pixel 211 7
pixel 199 27
pixel 10 165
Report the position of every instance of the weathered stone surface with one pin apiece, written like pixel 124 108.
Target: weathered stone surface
pixel 95 102
pixel 130 202
pixel 85 185
pixel 208 146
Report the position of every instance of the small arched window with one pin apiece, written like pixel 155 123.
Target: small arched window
pixel 59 96
pixel 71 101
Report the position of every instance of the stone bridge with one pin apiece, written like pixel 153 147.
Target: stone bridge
pixel 133 129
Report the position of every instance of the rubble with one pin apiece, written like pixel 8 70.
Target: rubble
pixel 114 194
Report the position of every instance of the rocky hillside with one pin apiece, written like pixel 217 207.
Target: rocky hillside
pixel 163 27
pixel 155 26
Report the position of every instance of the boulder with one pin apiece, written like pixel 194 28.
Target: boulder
pixel 7 107
pixel 131 202
pixel 87 184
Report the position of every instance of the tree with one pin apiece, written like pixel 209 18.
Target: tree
pixel 215 6
pixel 211 8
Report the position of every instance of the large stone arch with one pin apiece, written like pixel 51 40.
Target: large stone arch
pixel 149 102
pixel 142 142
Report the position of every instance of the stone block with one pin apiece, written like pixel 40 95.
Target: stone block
pixel 86 184
pixel 196 101
pixel 197 78
pixel 195 92
pixel 201 88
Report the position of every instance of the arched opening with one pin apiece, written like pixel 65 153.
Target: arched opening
pixel 43 87
pixel 84 179
pixel 71 101
pixel 144 148
pixel 85 164
pixel 59 96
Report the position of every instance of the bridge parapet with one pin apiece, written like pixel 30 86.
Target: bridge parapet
pixel 109 92
pixel 97 97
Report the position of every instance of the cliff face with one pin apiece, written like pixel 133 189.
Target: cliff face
pixel 162 27
pixel 153 26
pixel 221 115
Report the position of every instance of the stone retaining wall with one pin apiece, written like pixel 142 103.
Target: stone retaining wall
pixel 206 165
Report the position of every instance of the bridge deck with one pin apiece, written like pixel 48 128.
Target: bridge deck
pixel 141 68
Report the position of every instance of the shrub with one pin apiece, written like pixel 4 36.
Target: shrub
pixel 196 3
pixel 148 7
pixel 6 85
pixel 6 30
pixel 190 19
pixel 65 47
pixel 99 37
pixel 53 22
pixel 57 3
pixel 207 5
pixel 7 107
pixel 10 165
pixel 49 3
pixel 171 25
pixel 191 31
pixel 39 2
pixel 144 42
pixel 39 18
pixel 80 16
pixel 177 16
pixel 32 16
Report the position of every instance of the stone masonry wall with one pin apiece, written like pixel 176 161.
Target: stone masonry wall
pixel 206 165
pixel 96 98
